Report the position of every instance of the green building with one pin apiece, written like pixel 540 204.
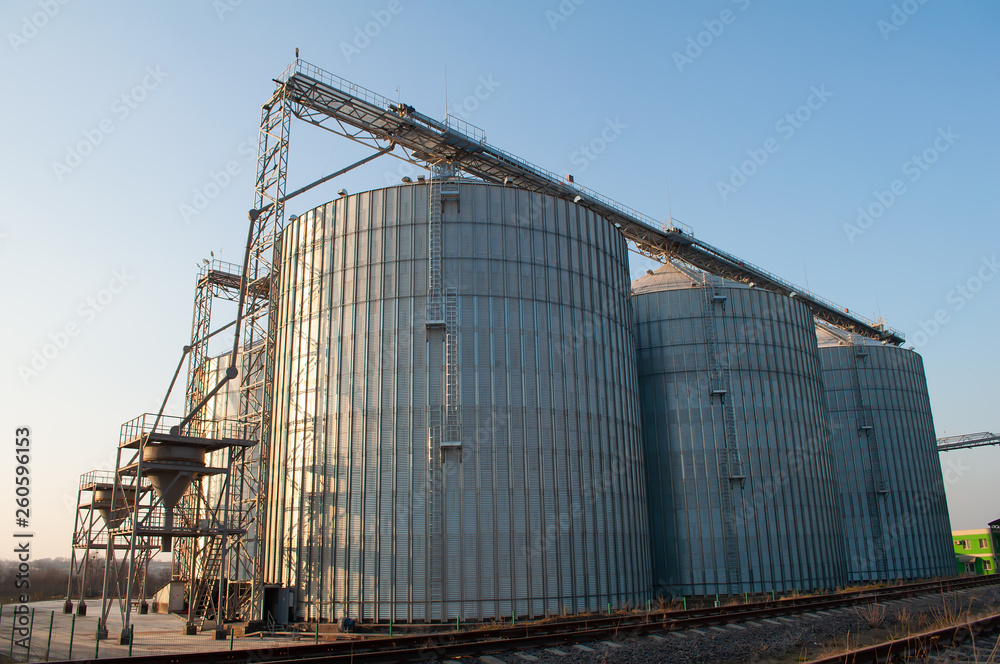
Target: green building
pixel 975 550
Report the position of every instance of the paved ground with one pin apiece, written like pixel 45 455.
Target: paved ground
pixel 154 634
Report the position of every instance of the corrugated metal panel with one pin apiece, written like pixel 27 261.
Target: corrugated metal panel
pixel 785 510
pixel 906 533
pixel 544 505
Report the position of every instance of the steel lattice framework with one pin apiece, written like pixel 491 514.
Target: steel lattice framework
pixel 347 109
pixel 968 440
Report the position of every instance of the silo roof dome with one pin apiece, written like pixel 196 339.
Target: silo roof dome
pixel 675 276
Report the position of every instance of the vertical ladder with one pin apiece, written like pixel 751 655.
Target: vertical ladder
pixel 435 319
pixel 875 479
pixel 435 301
pixel 452 421
pixel 730 463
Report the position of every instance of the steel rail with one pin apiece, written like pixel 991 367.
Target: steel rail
pixel 533 635
pixel 917 645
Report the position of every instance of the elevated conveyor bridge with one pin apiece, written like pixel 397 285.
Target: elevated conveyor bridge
pixel 328 101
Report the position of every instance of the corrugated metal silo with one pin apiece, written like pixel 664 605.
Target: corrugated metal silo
pixel 456 427
pixel 895 512
pixel 742 489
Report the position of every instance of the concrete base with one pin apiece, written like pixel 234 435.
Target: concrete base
pixel 190 630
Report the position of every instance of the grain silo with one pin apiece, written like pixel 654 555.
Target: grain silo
pixel 742 489
pixel 456 430
pixel 896 523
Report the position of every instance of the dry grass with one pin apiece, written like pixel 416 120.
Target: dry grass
pixel 873 614
pixel 837 646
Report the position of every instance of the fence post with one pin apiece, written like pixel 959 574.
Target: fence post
pixel 316 640
pixel 131 638
pixel 13 623
pixel 48 645
pixel 31 628
pixel 232 633
pixel 72 629
pixel 97 640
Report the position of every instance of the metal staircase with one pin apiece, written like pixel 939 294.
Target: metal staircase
pixel 202 605
pixel 875 479
pixel 730 463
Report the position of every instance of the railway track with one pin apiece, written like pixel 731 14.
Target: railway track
pixel 444 645
pixel 974 641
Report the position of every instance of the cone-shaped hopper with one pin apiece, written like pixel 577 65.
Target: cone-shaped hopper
pixel 171 483
pixel 102 503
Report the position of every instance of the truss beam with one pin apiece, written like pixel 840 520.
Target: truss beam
pixel 349 110
pixel 968 440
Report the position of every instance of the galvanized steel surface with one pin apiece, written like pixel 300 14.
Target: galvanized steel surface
pixel 786 508
pixel 543 504
pixel 909 534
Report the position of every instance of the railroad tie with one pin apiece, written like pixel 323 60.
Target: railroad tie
pixel 611 644
pixel 714 628
pixel 583 648
pixel 486 659
pixel 773 622
pixel 696 631
pixel 656 637
pixel 527 657
pixel 735 626
pixel 556 651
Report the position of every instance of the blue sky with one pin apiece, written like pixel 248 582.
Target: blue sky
pixel 119 114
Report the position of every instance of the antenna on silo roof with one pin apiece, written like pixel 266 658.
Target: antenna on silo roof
pixel 670 213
